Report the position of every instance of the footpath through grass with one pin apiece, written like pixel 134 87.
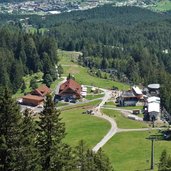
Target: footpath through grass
pixel 130 151
pixel 123 122
pixel 83 127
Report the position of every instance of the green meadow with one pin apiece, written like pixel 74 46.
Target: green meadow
pixel 162 5
pixel 131 151
pixel 81 73
pixel 123 122
pixel 83 127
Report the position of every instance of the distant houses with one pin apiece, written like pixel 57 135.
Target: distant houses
pixel 152 102
pixel 149 98
pixel 131 97
pixel 37 96
pixel 71 90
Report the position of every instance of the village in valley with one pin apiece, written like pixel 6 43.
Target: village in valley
pixel 70 92
pixel 137 104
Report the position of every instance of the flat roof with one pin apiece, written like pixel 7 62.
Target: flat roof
pixel 154 107
pixel 153 99
pixel 154 86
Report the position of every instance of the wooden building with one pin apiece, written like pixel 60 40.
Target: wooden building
pixel 37 96
pixel 70 89
pixel 42 91
pixel 32 100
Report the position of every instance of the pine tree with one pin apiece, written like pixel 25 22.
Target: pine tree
pixel 54 155
pixel 81 150
pixel 165 162
pixel 30 155
pixel 102 162
pixel 47 79
pixel 23 87
pixel 33 83
pixel 87 160
pixel 10 134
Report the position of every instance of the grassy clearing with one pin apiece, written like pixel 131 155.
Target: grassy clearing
pixel 68 57
pixel 162 5
pixel 123 122
pixel 94 96
pixel 59 104
pixel 33 30
pixel 131 151
pixel 83 127
pixel 81 74
pixel 132 107
pixel 110 103
pixel 86 105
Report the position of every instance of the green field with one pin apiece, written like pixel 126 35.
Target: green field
pixel 123 122
pixel 94 96
pixel 131 107
pixel 131 151
pixel 83 127
pixel 80 73
pixel 67 57
pixel 86 105
pixel 162 5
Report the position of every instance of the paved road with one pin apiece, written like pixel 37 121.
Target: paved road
pixel 114 127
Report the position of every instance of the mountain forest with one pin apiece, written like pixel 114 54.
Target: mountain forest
pixel 132 41
pixel 131 44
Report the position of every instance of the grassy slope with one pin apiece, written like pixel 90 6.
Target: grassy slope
pixel 131 151
pixel 83 126
pixel 94 96
pixel 127 151
pixel 123 122
pixel 81 74
pixel 163 5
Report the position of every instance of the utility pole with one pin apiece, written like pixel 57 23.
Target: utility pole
pixel 152 138
pixel 152 154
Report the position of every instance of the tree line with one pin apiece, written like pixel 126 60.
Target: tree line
pixel 37 144
pixel 22 54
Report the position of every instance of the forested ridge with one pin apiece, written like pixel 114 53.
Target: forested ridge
pixel 133 41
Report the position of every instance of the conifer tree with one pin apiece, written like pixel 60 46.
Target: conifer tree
pixel 87 160
pixel 10 134
pixel 165 162
pixel 30 155
pixel 54 155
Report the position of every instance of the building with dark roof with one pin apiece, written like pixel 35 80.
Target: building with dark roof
pixel 70 89
pixel 128 98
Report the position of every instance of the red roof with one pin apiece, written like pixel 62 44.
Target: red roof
pixel 43 90
pixel 32 97
pixel 72 84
